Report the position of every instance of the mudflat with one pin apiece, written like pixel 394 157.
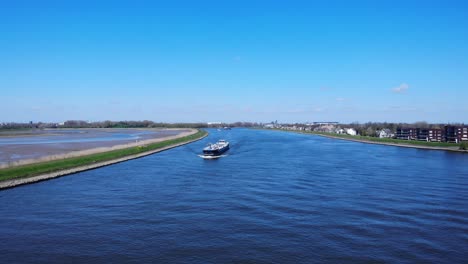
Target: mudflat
pixel 25 147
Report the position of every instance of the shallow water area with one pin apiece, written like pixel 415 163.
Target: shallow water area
pixel 34 144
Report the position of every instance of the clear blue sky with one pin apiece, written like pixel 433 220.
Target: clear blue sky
pixel 190 61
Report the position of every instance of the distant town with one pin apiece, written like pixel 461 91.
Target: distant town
pixel 421 131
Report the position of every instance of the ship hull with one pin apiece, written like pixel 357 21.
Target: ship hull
pixel 215 152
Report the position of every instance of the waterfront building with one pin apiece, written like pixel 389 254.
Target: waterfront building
pixel 430 134
pixel 450 134
pixel 435 135
pixel 462 133
pixel 406 133
pixel 456 134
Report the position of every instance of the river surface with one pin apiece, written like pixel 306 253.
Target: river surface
pixel 277 197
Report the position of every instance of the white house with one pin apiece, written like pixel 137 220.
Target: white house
pixel 340 131
pixel 351 131
pixel 385 133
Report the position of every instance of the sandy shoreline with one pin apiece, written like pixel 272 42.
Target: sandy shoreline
pixel 17 182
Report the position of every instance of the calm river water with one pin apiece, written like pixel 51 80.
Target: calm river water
pixel 277 197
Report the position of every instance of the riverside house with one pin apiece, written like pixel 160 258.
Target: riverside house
pixel 385 133
pixel 351 131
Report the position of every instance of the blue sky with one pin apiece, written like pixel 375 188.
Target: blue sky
pixel 200 61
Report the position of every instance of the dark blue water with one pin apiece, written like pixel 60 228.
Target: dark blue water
pixel 276 198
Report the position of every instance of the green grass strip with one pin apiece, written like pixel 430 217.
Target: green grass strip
pixel 68 163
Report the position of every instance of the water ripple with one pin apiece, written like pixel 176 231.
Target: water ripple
pixel 275 198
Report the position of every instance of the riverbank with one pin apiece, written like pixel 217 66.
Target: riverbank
pixel 389 142
pixel 15 176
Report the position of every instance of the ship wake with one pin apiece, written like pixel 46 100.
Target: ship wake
pixel 211 157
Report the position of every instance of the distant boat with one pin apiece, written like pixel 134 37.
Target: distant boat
pixel 226 128
pixel 216 149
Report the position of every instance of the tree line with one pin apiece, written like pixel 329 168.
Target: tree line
pixel 120 124
pixel 368 128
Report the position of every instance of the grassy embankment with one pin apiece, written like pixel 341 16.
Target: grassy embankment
pixel 57 165
pixel 384 140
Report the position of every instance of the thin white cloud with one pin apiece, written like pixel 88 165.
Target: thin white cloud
pixel 319 109
pixel 396 108
pixel 36 108
pixel 340 99
pixel 401 88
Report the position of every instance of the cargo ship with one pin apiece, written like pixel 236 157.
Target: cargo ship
pixel 216 149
